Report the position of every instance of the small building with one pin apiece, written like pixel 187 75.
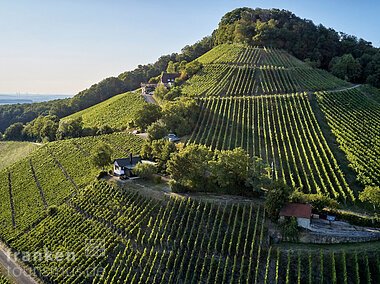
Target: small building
pixel 168 79
pixel 124 167
pixel 300 211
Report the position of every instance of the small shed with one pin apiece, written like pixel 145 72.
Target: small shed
pixel 125 166
pixel 301 211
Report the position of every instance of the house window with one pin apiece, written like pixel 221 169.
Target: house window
pixel 116 167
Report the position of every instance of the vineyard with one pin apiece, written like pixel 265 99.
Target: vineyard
pixel 178 241
pixel 11 152
pixel 4 280
pixel 355 121
pixel 283 131
pixel 115 112
pixel 49 176
pixel 234 70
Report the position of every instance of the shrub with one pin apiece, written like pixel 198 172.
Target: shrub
pixel 145 171
pixel 52 210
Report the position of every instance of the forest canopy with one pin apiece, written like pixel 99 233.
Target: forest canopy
pixel 320 46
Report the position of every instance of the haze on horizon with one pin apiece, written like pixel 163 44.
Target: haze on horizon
pixel 63 47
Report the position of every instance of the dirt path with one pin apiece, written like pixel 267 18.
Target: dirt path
pixel 14 271
pixel 344 89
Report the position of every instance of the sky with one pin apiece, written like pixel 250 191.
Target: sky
pixel 65 46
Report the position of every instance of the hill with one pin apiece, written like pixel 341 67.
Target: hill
pixel 11 152
pixel 239 70
pixel 116 112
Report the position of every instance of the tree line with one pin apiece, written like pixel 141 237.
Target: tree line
pixel 346 56
pixel 107 88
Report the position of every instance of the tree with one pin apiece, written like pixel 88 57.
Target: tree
pixel 346 67
pixel 180 116
pixel 43 128
pixel 277 196
pixel 104 129
pixel 157 130
pixel 160 92
pixel 371 194
pixel 317 200
pixel 230 169
pixel 14 132
pixel 189 167
pixel 146 116
pixel 70 129
pixel 145 170
pixel 101 156
pixel 159 151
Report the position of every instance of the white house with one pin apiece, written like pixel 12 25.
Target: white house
pixel 125 166
pixel 301 211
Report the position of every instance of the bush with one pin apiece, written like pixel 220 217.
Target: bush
pixel 177 187
pixel 289 229
pixel 318 201
pixel 52 210
pixel 355 219
pixel 102 174
pixel 145 171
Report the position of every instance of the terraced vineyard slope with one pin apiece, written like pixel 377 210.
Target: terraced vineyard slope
pixel 283 131
pixel 354 119
pixel 49 176
pixel 238 70
pixel 149 240
pixel 115 112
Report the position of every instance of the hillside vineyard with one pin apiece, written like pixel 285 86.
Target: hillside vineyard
pixel 237 70
pixel 280 129
pixel 179 241
pixel 260 99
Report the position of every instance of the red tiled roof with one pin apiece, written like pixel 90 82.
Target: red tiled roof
pixel 296 210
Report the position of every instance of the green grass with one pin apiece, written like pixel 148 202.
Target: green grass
pixel 116 112
pixel 11 152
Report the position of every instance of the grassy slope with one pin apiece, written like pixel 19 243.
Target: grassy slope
pixel 11 152
pixel 116 112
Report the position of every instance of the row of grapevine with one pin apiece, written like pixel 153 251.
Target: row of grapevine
pixel 144 240
pixel 276 57
pixel 355 120
pixel 4 280
pixel 240 54
pixel 281 130
pixel 324 266
pixel 150 241
pixel 49 176
pixel 244 80
pixel 123 108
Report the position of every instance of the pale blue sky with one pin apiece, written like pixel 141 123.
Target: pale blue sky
pixel 64 46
